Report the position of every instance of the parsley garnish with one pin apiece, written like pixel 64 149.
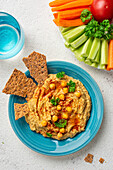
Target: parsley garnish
pixel 71 85
pixel 60 74
pixel 61 124
pixel 49 134
pixel 85 15
pixel 55 101
pixel 99 30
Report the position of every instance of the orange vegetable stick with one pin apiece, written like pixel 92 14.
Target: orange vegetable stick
pixel 68 23
pixel 59 2
pixel 71 14
pixel 55 15
pixel 110 56
pixel 74 4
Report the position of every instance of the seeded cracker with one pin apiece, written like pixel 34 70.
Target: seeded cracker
pixel 36 63
pixel 19 84
pixel 20 110
pixel 89 158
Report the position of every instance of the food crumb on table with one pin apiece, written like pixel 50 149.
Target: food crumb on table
pixel 101 160
pixel 89 158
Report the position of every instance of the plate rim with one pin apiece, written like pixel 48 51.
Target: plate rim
pixel 24 141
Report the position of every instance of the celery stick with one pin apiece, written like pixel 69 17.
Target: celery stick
pixel 64 29
pixel 98 55
pixel 77 53
pixel 94 49
pixel 78 57
pixel 74 33
pixel 71 48
pixel 94 65
pixel 103 67
pixel 79 41
pixel 67 44
pixel 87 61
pixel 104 53
pixel 86 48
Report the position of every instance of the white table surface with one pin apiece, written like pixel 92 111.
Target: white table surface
pixel 42 35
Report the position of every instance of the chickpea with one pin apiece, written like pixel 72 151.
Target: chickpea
pixel 78 94
pixel 65 116
pixel 59 135
pixel 61 97
pixel 65 90
pixel 63 83
pixel 69 109
pixel 43 123
pixel 59 107
pixel 52 86
pixel 62 130
pixel 55 118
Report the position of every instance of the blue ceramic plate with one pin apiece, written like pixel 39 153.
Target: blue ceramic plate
pixel 53 147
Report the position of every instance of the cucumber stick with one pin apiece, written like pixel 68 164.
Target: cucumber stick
pixel 74 33
pixel 87 47
pixel 79 41
pixel 94 49
pixel 104 53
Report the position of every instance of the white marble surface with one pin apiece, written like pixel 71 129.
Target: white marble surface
pixel 42 35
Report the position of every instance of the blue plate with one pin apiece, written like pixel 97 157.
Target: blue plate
pixel 53 147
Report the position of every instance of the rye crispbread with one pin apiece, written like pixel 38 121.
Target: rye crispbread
pixel 19 84
pixel 36 63
pixel 20 110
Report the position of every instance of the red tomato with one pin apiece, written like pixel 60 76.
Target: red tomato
pixel 102 9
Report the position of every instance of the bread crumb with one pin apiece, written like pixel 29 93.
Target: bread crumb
pixel 89 158
pixel 101 160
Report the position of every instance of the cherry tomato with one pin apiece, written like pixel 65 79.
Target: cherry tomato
pixel 102 9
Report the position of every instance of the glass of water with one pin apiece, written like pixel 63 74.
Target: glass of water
pixel 11 36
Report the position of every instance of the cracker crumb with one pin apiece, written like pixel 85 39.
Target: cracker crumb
pixel 101 160
pixel 89 158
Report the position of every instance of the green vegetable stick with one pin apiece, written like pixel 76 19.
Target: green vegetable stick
pixel 77 53
pixel 72 49
pixel 87 61
pixel 79 41
pixel 94 65
pixel 74 33
pixel 86 48
pixel 65 29
pixel 104 53
pixel 94 49
pixel 67 44
pixel 98 55
pixel 103 67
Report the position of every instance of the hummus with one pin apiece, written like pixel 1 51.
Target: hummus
pixel 57 112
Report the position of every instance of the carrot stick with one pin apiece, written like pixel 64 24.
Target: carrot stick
pixel 59 2
pixel 68 23
pixel 110 56
pixel 71 5
pixel 55 15
pixel 56 21
pixel 71 14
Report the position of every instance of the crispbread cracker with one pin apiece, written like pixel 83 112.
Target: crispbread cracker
pixel 36 63
pixel 19 84
pixel 20 110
